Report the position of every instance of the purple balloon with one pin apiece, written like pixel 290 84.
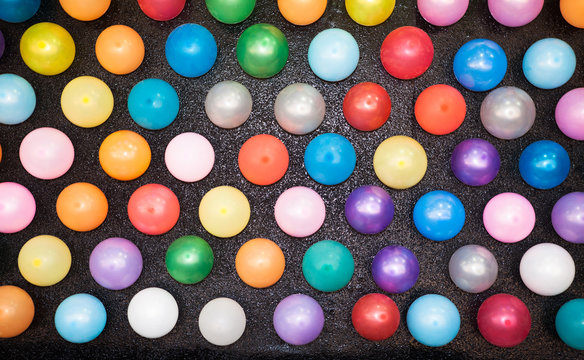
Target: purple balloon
pixel 115 263
pixel 2 44
pixel 369 209
pixel 475 162
pixel 395 269
pixel 298 319
pixel 568 217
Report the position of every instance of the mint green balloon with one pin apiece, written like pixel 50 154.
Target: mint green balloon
pixel 230 11
pixel 189 259
pixel 570 323
pixel 328 266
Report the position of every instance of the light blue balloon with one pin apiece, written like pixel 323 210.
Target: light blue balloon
pixel 439 215
pixel 191 50
pixel 153 104
pixel 544 164
pixel 17 11
pixel 549 63
pixel 333 54
pixel 17 99
pixel 433 320
pixel 330 159
pixel 80 318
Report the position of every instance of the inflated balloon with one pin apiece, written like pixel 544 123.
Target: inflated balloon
pixel 153 104
pixel 515 13
pixel 439 215
pixel 262 50
pixel 330 159
pixel 230 11
pixel 400 162
pixel 480 65
pixel 547 269
pixel 328 266
pixel 228 104
pixel 189 259
pixel 298 319
pixel 18 11
pixel 367 106
pixel 570 323
pixel 570 114
pixel 299 108
pixel 224 211
pixel 504 320
pixel 191 50
pixel 509 217
pixel 17 99
pixel 115 263
pixel 407 52
pixel 473 268
pixel 87 10
pixel 16 311
pixel 82 206
pixel 260 263
pixel 375 317
pixel 46 153
pixel 189 157
pixel 299 211
pixel 87 101
pixel 80 318
pixel 47 48
pixel 568 217
pixel 475 162
pixel 433 320
pixel 369 209
pixel 17 207
pixel 222 321
pixel 573 12
pixel 395 269
pixel 153 209
pixel 162 10
pixel 442 12
pixel 333 54
pixel 152 313
pixel 44 260
pixel 508 113
pixel 119 49
pixel 369 12
pixel 544 164
pixel 549 63
pixel 124 155
pixel 263 159
pixel 440 109
pixel 302 12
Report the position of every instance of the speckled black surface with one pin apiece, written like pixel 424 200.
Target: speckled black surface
pixel 338 338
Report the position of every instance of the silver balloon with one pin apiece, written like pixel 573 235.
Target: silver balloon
pixel 508 112
pixel 299 109
pixel 473 268
pixel 228 104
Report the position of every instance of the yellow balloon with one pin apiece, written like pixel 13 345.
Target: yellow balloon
pixel 47 48
pixel 224 211
pixel 400 162
pixel 44 260
pixel 369 12
pixel 87 101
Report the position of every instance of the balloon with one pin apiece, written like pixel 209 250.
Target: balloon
pixel 504 320
pixel 80 318
pixel 115 263
pixel 191 50
pixel 299 211
pixel 509 217
pixel 230 11
pixel 263 159
pixel 298 319
pixel 17 207
pixel 440 109
pixel 369 209
pixel 262 50
pixel 367 106
pixel 17 99
pixel 153 104
pixel 572 11
pixel 47 48
pixel 570 114
pixel 87 10
pixel 395 269
pixel 82 206
pixel 260 263
pixel 549 63
pixel 87 101
pixel 375 317
pixel 222 321
pixel 17 11
pixel 124 155
pixel 515 13
pixel 407 52
pixel 162 10
pixel 328 266
pixel 189 259
pixel 480 65
pixel 44 260
pixel 302 12
pixel 299 109
pixel 400 162
pixel 475 162
pixel 46 153
pixel 570 323
pixel 568 217
pixel 228 104
pixel 224 211
pixel 189 157
pixel 16 311
pixel 544 164
pixel 333 55
pixel 119 49
pixel 508 113
pixel 369 12
pixel 473 268
pixel 433 320
pixel 153 209
pixel 330 159
pixel 152 313
pixel 547 269
pixel 442 12
pixel 439 215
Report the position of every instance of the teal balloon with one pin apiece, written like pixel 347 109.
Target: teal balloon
pixel 189 259
pixel 230 11
pixel 570 323
pixel 262 50
pixel 328 266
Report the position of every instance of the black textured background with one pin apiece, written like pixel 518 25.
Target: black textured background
pixel 338 338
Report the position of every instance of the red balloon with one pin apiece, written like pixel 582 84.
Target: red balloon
pixel 504 320
pixel 407 52
pixel 153 209
pixel 367 106
pixel 375 317
pixel 162 10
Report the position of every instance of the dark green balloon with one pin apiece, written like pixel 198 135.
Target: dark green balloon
pixel 230 11
pixel 189 259
pixel 262 50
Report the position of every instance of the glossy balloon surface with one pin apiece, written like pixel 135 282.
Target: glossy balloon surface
pixel 17 207
pixel 330 159
pixel 46 153
pixel 407 52
pixel 509 217
pixel 328 266
pixel 475 162
pixel 504 320
pixel 299 108
pixel 82 206
pixel 480 65
pixel 260 263
pixel 191 50
pixel 17 99
pixel 124 155
pixel 230 11
pixel 367 106
pixel 570 114
pixel 302 12
pixel 16 311
pixel 162 10
pixel 87 10
pixel 44 260
pixel 228 104
pixel 333 55
pixel 153 209
pixel 47 48
pixel 119 49
pixel 547 269
pixel 439 215
pixel 508 112
pixel 87 101
pixel 433 320
pixel 395 269
pixel 298 319
pixel 570 323
pixel 369 12
pixel 442 12
pixel 568 217
pixel 115 263
pixel 573 11
pixel 80 318
pixel 549 63
pixel 369 209
pixel 375 317
pixel 189 259
pixel 262 50
pixel 515 13
pixel 544 164
pixel 473 268
pixel 400 162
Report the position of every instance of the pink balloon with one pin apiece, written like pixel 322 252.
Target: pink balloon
pixel 189 157
pixel 299 211
pixel 509 217
pixel 46 153
pixel 442 12
pixel 570 114
pixel 17 207
pixel 514 13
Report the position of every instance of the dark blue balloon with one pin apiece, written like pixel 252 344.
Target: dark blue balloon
pixel 544 164
pixel 17 11
pixel 191 50
pixel 439 215
pixel 369 209
pixel 330 159
pixel 480 65
pixel 153 104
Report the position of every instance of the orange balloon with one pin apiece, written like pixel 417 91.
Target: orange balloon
pixel 124 155
pixel 440 109
pixel 302 12
pixel 85 10
pixel 260 263
pixel 573 12
pixel 82 206
pixel 16 311
pixel 119 49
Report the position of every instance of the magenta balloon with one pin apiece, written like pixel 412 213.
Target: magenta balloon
pixel 115 263
pixel 570 114
pixel 514 13
pixel 568 217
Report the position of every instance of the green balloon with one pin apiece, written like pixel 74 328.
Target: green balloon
pixel 230 11
pixel 262 50
pixel 189 259
pixel 570 323
pixel 328 265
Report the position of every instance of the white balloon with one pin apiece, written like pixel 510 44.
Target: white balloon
pixel 222 321
pixel 152 312
pixel 547 269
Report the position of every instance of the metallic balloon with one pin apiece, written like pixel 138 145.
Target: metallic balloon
pixel 299 108
pixel 508 113
pixel 395 269
pixel 473 268
pixel 369 209
pixel 475 162
pixel 298 319
pixel 228 104
pixel 568 217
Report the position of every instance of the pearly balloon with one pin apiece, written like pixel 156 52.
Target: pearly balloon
pixel 514 13
pixel 475 162
pixel 228 104
pixel 298 319
pixel 442 12
pixel 570 114
pixel 508 113
pixel 473 268
pixel 299 108
pixel 547 269
pixel 222 321
pixel 568 217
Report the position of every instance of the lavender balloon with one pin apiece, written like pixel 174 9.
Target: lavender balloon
pixel 570 114
pixel 2 44
pixel 298 319
pixel 395 269
pixel 475 162
pixel 369 209
pixel 115 263
pixel 568 217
